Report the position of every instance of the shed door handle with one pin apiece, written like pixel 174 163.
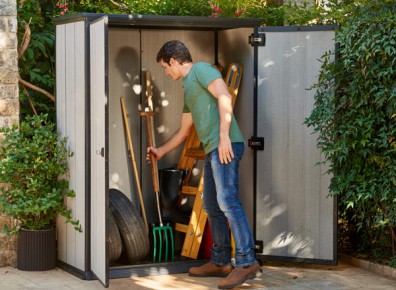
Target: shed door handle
pixel 100 152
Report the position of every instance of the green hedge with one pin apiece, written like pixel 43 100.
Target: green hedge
pixel 355 116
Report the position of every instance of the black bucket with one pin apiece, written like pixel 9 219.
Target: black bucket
pixel 170 186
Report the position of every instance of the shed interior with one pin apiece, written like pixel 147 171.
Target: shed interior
pixel 131 53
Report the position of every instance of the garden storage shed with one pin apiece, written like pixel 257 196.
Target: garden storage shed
pixel 101 58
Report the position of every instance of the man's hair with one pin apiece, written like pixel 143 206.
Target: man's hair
pixel 174 49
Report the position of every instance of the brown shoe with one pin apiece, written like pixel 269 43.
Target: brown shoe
pixel 239 275
pixel 210 270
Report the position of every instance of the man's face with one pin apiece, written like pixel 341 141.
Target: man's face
pixel 171 70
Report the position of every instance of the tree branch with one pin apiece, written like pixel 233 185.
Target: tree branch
pixel 393 235
pixel 37 89
pixel 25 40
pixel 30 100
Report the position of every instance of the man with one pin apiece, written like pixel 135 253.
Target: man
pixel 207 105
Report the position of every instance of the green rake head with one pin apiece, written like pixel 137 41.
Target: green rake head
pixel 164 234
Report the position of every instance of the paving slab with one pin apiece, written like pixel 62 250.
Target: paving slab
pixel 276 276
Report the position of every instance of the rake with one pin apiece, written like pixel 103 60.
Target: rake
pixel 161 231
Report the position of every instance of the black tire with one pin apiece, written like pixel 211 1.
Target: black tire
pixel 114 240
pixel 131 226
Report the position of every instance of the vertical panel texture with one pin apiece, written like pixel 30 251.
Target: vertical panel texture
pixel 70 61
pixel 295 217
pixel 70 129
pixel 61 119
pixel 79 96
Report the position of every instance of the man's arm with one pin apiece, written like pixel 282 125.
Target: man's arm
pixel 219 90
pixel 186 123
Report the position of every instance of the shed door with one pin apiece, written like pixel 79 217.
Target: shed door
pixel 296 220
pixel 99 184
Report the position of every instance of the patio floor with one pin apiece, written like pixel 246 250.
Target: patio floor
pixel 277 275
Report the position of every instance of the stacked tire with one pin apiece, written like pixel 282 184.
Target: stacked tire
pixel 127 233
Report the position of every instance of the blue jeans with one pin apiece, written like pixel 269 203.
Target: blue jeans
pixel 222 204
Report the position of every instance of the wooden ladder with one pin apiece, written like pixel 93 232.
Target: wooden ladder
pixel 191 153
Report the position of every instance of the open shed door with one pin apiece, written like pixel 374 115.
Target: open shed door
pixel 99 149
pixel 296 220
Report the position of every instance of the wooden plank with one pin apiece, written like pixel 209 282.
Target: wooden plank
pixel 181 228
pixel 195 229
pixel 199 232
pixel 195 154
pixel 233 80
pixel 189 190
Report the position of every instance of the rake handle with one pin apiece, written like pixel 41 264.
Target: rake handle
pixel 153 162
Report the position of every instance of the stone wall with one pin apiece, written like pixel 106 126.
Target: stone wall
pixel 9 102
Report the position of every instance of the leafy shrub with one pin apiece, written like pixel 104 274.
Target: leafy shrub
pixel 355 115
pixel 33 164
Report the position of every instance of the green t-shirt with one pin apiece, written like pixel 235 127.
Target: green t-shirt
pixel 203 106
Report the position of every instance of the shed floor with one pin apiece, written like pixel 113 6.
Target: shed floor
pixel 277 275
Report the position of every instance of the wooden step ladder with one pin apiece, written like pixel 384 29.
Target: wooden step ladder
pixel 188 162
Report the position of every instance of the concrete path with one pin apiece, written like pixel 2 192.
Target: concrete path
pixel 277 276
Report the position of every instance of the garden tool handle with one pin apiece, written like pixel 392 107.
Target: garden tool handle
pixel 153 162
pixel 154 173
pixel 133 160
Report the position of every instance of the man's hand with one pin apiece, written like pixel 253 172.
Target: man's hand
pixel 152 152
pixel 225 150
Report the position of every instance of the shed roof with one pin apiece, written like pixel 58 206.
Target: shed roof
pixel 161 21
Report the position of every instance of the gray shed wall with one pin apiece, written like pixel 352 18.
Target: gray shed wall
pixel 295 216
pixel 71 119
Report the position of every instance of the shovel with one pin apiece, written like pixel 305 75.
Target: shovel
pixel 161 230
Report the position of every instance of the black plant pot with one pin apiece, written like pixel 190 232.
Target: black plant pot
pixel 36 249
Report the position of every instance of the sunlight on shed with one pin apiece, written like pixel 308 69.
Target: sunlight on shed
pixel 290 243
pixel 265 217
pixel 137 89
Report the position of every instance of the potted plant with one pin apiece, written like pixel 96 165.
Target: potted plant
pixel 33 169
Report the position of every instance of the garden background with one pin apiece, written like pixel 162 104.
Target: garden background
pixel 355 102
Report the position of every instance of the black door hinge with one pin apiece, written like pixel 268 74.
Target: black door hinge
pixel 256 143
pixel 260 41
